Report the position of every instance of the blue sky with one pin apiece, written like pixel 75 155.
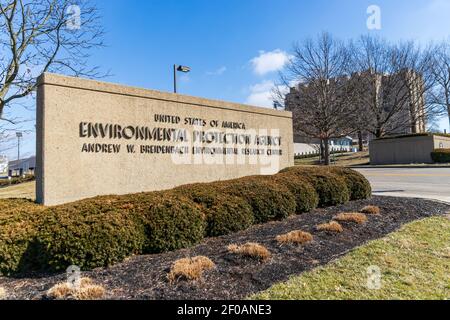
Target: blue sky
pixel 235 47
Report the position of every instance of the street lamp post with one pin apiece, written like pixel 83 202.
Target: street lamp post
pixel 18 135
pixel 180 69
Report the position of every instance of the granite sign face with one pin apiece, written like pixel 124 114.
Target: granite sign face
pixel 95 138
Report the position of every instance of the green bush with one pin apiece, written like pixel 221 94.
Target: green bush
pixel 269 200
pixel 204 194
pixel 306 197
pixel 15 181
pixel 89 234
pixel 101 231
pixel 171 221
pixel 224 213
pixel 19 220
pixel 441 156
pixel 331 188
pixel 357 184
pixel 229 214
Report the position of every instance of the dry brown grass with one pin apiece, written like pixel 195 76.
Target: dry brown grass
pixel 87 291
pixel 295 237
pixel 190 268
pixel 354 217
pixel 332 226
pixel 2 293
pixel 371 210
pixel 251 250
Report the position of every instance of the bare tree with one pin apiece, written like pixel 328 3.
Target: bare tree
pixel 440 94
pixel 6 140
pixel 322 102
pixel 394 81
pixel 39 36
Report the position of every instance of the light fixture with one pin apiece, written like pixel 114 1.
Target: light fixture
pixel 184 69
pixel 179 68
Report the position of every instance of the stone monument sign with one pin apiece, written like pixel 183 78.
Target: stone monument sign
pixel 96 138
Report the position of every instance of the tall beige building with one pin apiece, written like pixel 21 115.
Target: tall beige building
pixel 399 95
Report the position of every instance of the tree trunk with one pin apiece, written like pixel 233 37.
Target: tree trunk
pixel 326 152
pixel 322 150
pixel 360 141
pixel 379 133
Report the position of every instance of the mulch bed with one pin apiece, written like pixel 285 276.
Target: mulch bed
pixel 144 277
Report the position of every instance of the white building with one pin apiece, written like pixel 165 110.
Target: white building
pixel 304 146
pixel 21 167
pixel 3 166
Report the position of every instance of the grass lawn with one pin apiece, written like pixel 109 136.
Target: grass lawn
pixel 23 190
pixel 414 264
pixel 346 159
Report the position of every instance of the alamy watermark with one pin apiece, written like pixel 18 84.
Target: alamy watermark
pixel 373 278
pixel 74 277
pixel 257 147
pixel 374 19
pixel 74 17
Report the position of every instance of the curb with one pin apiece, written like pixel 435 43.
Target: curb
pixel 412 196
pixel 401 167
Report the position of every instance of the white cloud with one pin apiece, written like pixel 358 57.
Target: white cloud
pixel 217 72
pixel 262 95
pixel 268 62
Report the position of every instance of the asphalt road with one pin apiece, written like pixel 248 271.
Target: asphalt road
pixel 430 183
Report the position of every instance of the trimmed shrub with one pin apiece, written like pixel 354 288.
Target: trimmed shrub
pixel 306 197
pixel 101 231
pixel 204 194
pixel 16 180
pixel 441 155
pixel 228 215
pixel 171 221
pixel 224 213
pixel 331 188
pixel 19 221
pixel 269 200
pixel 357 184
pixel 89 234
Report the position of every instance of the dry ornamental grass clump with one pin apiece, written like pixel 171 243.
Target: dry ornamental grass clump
pixel 295 237
pixel 332 226
pixel 371 210
pixel 251 250
pixel 190 268
pixel 354 217
pixel 86 291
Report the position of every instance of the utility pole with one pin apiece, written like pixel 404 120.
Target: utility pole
pixel 19 136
